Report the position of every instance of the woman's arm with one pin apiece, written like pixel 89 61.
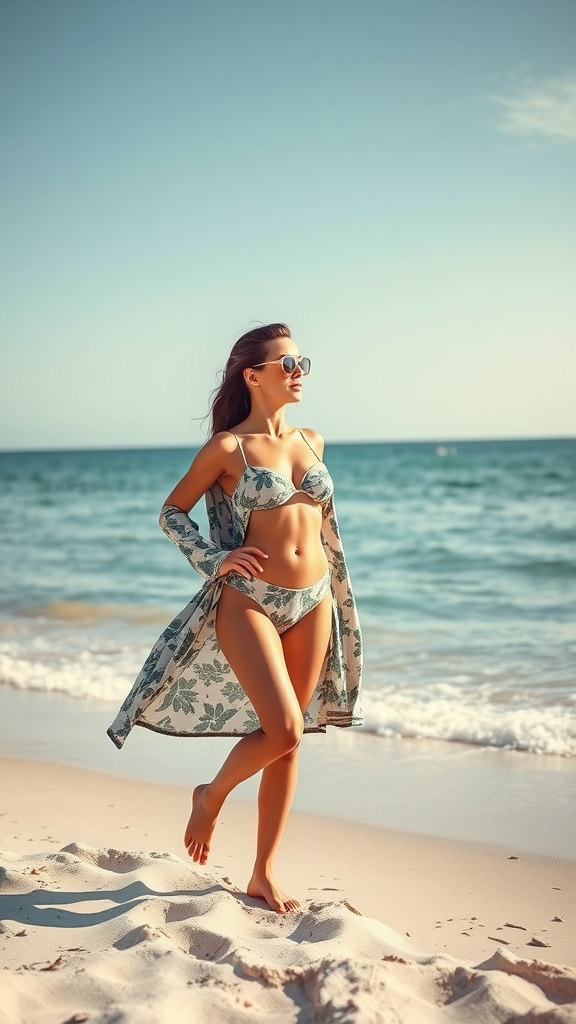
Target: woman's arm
pixel 209 464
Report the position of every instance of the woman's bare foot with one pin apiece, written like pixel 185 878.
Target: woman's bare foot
pixel 200 825
pixel 264 887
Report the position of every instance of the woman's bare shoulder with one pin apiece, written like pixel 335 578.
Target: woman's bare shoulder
pixel 215 453
pixel 224 441
pixel 314 438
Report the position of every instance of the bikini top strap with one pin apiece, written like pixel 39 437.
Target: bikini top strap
pixel 307 442
pixel 239 445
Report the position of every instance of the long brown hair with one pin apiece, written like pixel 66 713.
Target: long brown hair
pixel 231 402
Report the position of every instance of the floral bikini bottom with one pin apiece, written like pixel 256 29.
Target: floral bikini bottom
pixel 282 605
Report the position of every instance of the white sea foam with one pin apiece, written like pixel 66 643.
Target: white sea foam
pixel 445 712
pixel 440 711
pixel 88 675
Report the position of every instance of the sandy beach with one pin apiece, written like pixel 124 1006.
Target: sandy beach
pixel 103 917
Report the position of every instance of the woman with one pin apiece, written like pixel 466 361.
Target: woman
pixel 270 647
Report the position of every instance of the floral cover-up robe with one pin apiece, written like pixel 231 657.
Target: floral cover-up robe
pixel 187 688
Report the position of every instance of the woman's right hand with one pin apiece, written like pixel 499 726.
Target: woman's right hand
pixel 244 561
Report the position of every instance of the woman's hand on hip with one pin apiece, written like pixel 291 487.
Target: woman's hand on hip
pixel 244 561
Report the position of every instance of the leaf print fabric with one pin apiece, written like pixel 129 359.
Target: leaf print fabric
pixel 283 606
pixel 214 718
pixel 186 687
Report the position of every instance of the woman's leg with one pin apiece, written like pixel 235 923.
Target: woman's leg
pixel 252 646
pixel 304 646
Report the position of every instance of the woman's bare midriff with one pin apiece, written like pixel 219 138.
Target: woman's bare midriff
pixel 290 536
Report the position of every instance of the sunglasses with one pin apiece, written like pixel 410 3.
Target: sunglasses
pixel 289 364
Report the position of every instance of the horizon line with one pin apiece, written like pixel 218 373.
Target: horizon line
pixel 442 439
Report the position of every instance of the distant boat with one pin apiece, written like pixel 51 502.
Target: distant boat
pixel 442 450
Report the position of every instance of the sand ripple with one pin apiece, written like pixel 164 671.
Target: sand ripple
pixel 113 936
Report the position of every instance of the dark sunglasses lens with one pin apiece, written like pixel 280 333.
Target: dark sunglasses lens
pixel 289 364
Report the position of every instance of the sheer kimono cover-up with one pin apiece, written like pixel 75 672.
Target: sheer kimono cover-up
pixel 187 688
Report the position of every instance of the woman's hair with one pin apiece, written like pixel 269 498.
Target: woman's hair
pixel 231 402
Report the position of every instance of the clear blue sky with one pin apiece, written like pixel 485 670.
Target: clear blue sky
pixel 394 181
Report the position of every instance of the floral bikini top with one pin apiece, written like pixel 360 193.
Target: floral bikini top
pixel 262 488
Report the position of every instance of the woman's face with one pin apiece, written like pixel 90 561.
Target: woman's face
pixel 276 385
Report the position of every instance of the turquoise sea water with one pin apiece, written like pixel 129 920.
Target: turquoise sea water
pixel 462 556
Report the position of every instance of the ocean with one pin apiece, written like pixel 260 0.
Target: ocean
pixel 462 557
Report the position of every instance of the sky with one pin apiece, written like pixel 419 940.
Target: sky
pixel 395 181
